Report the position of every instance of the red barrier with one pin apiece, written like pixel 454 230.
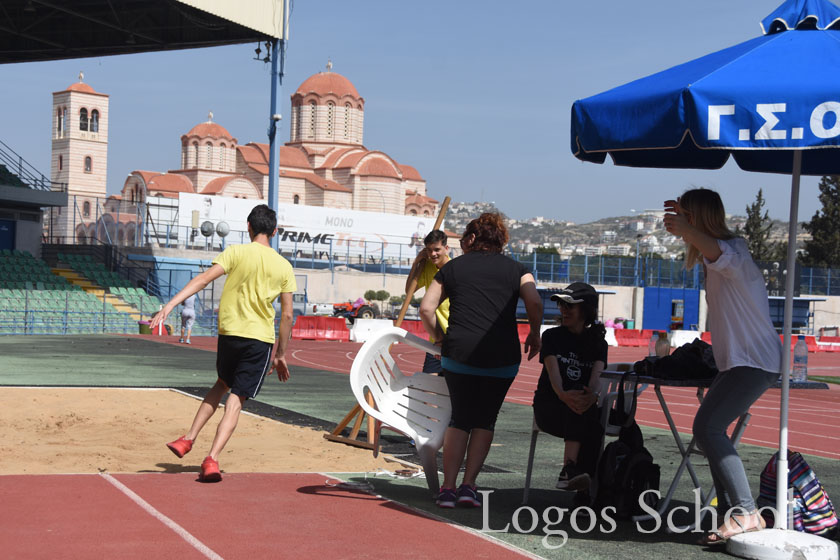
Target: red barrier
pixel 320 328
pixel 306 328
pixel 706 337
pixel 335 328
pixel 415 328
pixel 829 344
pixel 523 329
pixel 811 341
pixel 630 337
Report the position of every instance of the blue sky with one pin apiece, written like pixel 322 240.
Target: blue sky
pixel 475 95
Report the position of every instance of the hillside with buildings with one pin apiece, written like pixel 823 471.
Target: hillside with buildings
pixel 641 232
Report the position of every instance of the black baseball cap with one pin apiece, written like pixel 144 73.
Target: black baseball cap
pixel 577 292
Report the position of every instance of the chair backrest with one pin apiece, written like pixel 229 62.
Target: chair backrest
pixel 609 394
pixel 417 405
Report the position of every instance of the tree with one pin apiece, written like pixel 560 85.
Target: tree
pixel 757 230
pixel 823 249
pixel 370 295
pixel 382 295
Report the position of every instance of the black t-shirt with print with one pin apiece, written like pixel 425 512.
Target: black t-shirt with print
pixel 576 354
pixel 483 291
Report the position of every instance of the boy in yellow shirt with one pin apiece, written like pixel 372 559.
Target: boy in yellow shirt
pixel 434 255
pixel 256 274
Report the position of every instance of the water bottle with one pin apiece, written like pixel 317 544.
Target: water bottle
pixel 652 344
pixel 800 361
pixel 663 347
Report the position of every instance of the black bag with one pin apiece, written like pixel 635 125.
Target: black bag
pixel 693 360
pixel 626 469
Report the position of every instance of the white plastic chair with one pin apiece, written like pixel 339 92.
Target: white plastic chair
pixel 609 393
pixel 416 405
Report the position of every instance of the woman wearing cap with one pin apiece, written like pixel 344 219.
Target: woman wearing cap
pixel 565 402
pixel 745 345
pixel 480 352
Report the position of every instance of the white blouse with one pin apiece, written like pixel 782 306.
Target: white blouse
pixel 739 312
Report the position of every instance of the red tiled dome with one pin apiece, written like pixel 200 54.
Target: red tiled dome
pixel 80 86
pixel 324 83
pixel 210 129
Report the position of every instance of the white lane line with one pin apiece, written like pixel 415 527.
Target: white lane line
pixel 147 507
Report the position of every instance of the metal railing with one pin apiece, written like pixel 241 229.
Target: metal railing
pixel 30 176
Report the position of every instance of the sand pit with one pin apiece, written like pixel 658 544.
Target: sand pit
pixel 53 431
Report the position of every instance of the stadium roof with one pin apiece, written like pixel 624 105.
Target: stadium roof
pixel 39 30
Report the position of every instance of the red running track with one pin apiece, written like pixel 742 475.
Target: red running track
pixel 163 516
pixel 812 413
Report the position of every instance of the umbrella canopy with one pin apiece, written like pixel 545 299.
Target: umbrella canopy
pixel 772 103
pixel 758 101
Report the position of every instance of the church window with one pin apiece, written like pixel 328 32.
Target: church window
pixel 88 164
pixel 209 159
pixel 195 155
pixel 297 199
pixel 60 162
pixel 59 122
pixel 94 121
pixel 83 120
pixel 330 118
pixel 86 209
pixel 222 157
pixel 312 120
pixel 412 212
pixel 347 121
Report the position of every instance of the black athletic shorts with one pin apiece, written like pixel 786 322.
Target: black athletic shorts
pixel 476 399
pixel 242 363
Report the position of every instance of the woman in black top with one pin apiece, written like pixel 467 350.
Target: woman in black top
pixel 565 402
pixel 480 351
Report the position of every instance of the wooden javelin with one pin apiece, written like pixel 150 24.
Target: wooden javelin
pixel 357 412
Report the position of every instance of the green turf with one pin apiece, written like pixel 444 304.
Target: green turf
pixel 825 379
pixel 102 360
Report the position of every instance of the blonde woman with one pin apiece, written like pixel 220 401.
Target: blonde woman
pixel 745 344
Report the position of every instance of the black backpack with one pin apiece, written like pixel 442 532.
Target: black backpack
pixel 626 469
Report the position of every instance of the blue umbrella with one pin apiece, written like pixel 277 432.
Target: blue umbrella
pixel 772 103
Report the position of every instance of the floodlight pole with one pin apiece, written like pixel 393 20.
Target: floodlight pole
pixel 278 55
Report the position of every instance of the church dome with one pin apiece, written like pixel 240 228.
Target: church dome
pixel 209 129
pixel 80 86
pixel 328 83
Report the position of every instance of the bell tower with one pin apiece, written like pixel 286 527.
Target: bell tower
pixel 79 155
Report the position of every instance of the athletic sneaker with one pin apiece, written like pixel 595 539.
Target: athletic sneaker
pixel 572 478
pixel 180 340
pixel 180 446
pixel 210 470
pixel 187 341
pixel 446 498
pixel 467 496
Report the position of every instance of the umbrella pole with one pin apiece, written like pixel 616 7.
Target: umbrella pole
pixel 782 504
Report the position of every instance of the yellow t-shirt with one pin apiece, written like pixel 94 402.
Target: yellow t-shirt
pixel 424 281
pixel 256 276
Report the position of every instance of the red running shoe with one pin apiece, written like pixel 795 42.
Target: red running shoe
pixel 180 446
pixel 210 470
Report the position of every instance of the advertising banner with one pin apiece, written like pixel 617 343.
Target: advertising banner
pixel 314 229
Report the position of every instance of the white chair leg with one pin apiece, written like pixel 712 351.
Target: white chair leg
pixel 534 433
pixel 428 459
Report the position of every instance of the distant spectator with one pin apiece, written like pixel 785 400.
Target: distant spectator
pixel 187 318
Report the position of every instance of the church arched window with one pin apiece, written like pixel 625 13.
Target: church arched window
pixel 86 209
pixel 83 120
pixel 222 151
pixel 59 123
pixel 330 118
pixel 60 162
pixel 209 157
pixel 195 155
pixel 346 121
pixel 296 200
pixel 88 164
pixel 94 121
pixel 312 119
